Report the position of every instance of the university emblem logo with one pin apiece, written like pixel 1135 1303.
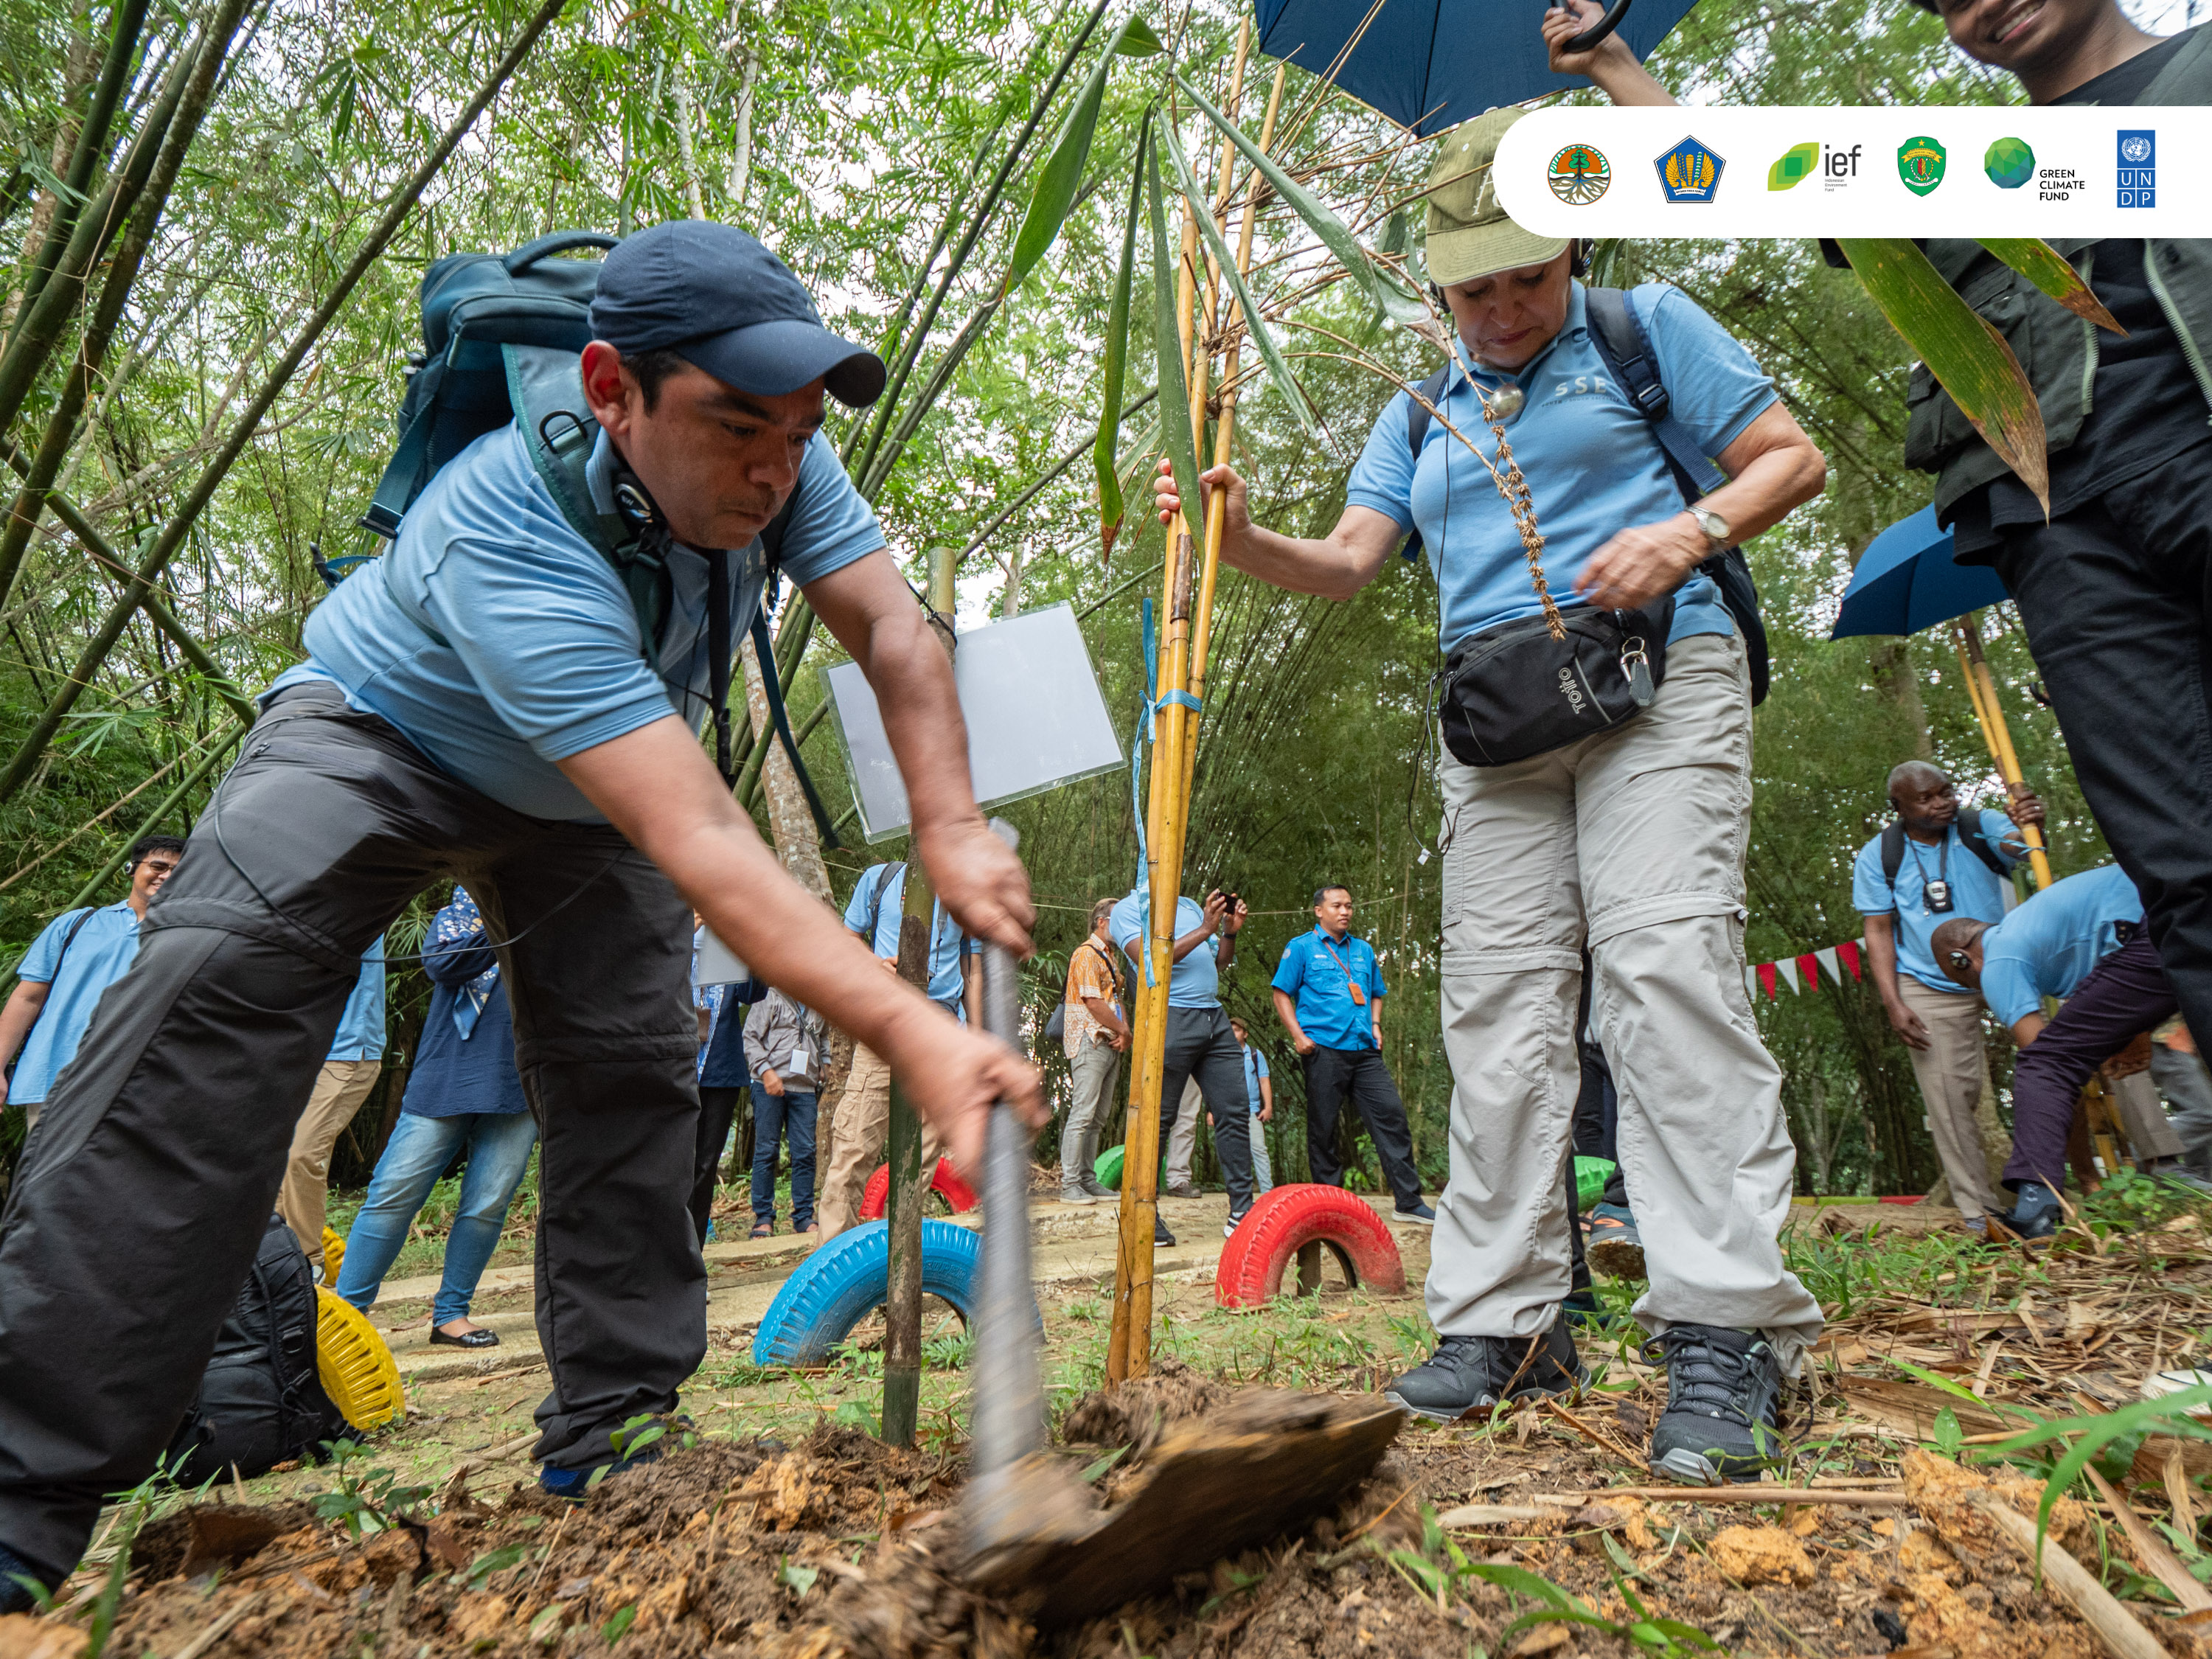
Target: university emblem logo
pixel 1689 172
pixel 1920 164
pixel 1796 166
pixel 1578 175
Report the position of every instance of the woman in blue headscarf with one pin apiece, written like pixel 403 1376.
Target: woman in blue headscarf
pixel 463 1092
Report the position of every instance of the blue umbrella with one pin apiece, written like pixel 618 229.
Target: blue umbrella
pixel 1428 68
pixel 1905 581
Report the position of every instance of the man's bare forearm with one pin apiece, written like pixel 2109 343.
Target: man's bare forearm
pixel 1881 956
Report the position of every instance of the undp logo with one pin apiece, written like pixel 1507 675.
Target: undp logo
pixel 2138 170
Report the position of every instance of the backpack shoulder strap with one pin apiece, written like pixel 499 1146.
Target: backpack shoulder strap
pixel 70 938
pixel 1621 341
pixel 1972 838
pixel 1417 433
pixel 875 904
pixel 1893 850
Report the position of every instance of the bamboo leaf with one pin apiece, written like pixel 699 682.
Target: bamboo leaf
pixel 2041 263
pixel 1062 176
pixel 1104 452
pixel 1137 39
pixel 1167 342
pixel 1263 337
pixel 1334 233
pixel 1962 351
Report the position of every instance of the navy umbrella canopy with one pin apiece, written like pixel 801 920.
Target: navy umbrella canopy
pixel 1430 65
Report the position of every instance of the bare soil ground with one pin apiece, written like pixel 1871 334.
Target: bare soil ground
pixel 783 1530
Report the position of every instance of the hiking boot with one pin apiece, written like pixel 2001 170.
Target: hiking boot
pixel 575 1485
pixel 1723 1387
pixel 1614 1248
pixel 1473 1373
pixel 1180 1189
pixel 1420 1215
pixel 2035 1212
pixel 1075 1196
pixel 1161 1235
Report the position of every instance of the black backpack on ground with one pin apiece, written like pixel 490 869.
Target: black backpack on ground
pixel 1625 349
pixel 502 337
pixel 261 1400
pixel 1970 837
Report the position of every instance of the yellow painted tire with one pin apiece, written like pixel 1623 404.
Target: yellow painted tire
pixel 357 1370
pixel 333 1255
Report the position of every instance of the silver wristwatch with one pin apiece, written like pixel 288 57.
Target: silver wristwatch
pixel 1715 526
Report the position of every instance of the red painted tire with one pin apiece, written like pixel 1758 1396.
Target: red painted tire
pixel 876 1199
pixel 1268 1241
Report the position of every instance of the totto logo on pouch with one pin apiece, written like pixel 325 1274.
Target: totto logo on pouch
pixel 1570 690
pixel 2138 168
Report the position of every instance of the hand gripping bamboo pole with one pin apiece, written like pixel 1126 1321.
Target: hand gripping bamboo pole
pixel 1983 688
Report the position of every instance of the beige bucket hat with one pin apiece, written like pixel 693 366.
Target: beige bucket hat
pixel 1469 235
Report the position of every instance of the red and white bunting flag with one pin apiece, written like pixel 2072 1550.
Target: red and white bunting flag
pixel 1827 960
pixel 1808 964
pixel 1788 969
pixel 1765 971
pixel 1849 951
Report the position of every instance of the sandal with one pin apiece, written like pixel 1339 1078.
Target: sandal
pixel 764 1230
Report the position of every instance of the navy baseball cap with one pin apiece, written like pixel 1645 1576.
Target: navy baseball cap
pixel 722 302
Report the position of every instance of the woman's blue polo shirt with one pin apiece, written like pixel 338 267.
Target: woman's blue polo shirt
pixel 1593 463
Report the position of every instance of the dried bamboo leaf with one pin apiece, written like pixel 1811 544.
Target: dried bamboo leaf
pixel 2041 263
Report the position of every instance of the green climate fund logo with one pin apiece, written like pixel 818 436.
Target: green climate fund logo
pixel 1920 164
pixel 2010 162
pixel 1797 165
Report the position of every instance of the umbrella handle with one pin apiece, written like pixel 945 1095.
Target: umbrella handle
pixel 1597 31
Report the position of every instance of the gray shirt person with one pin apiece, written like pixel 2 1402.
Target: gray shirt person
pixel 783 1037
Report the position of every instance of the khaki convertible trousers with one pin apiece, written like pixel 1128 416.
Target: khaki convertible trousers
pixel 1632 842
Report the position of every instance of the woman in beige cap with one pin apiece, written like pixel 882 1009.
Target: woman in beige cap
pixel 1629 843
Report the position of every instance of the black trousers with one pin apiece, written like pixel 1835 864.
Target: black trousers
pixel 1331 1074
pixel 143 1196
pixel 2124 995
pixel 1200 1045
pixel 718 1109
pixel 2118 599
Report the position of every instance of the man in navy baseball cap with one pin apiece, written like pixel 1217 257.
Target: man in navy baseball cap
pixel 723 303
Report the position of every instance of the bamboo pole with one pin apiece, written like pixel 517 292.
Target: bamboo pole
pixel 1999 735
pixel 1189 622
pixel 917 938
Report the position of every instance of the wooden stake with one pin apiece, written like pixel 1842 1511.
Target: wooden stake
pixel 1994 730
pixel 917 935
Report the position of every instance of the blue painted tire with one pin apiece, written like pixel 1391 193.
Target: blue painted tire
pixel 848 1278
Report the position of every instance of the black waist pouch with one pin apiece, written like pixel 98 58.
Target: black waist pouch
pixel 1513 691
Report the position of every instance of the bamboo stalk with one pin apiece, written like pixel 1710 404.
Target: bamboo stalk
pixel 1999 735
pixel 180 523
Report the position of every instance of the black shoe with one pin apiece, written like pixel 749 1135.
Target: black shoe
pixel 1722 1386
pixel 2035 1211
pixel 1228 1228
pixel 1473 1373
pixel 476 1339
pixel 16 1595
pixel 1160 1233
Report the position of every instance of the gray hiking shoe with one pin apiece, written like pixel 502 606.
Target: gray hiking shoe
pixel 1722 1390
pixel 1613 1245
pixel 1473 1373
pixel 2035 1212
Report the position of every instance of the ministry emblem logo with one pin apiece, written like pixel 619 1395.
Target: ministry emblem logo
pixel 1578 175
pixel 1920 164
pixel 1689 172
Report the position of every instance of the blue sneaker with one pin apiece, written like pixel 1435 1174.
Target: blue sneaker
pixel 1582 1308
pixel 16 1595
pixel 576 1485
pixel 1614 1247
pixel 2035 1212
pixel 1421 1215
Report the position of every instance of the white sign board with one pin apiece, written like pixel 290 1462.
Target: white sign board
pixel 1036 718
pixel 716 964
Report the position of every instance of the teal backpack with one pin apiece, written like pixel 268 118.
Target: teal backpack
pixel 503 336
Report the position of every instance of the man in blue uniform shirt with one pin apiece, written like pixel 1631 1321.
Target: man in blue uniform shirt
pixel 2082 940
pixel 1329 995
pixel 1929 864
pixel 481 704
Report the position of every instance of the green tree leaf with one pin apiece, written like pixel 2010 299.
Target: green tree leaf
pixel 1167 342
pixel 1263 337
pixel 1105 450
pixel 1969 358
pixel 2041 264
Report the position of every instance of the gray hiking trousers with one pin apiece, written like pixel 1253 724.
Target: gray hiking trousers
pixel 143 1197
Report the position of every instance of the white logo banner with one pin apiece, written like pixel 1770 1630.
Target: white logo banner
pixel 2085 171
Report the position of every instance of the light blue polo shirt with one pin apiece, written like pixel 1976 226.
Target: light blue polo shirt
pixel 1326 1012
pixel 1196 981
pixel 1255 1068
pixel 1975 891
pixel 945 942
pixel 360 1028
pixel 499 641
pixel 100 954
pixel 2054 941
pixel 1592 464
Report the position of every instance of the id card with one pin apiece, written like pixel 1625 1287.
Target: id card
pixel 799 1060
